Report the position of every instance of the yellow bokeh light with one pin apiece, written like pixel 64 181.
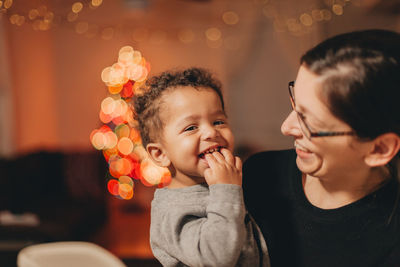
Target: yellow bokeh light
pixel 137 57
pixel 33 13
pixel 230 18
pixel 96 2
pixel 1 3
pixel 306 19
pixel 105 74
pixel 337 9
pixel 7 4
pixel 120 108
pixel 186 36
pixel 213 34
pixel 135 72
pixel 98 140
pixel 126 58
pixel 111 140
pixel 77 7
pixel 126 49
pixel 108 105
pixel 116 76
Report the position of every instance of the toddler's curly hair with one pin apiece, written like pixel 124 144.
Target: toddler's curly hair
pixel 147 105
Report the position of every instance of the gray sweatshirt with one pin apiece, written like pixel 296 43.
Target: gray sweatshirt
pixel 205 226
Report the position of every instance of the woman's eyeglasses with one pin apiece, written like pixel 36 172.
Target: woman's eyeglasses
pixel 303 125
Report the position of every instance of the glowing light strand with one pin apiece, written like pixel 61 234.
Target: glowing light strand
pixel 118 138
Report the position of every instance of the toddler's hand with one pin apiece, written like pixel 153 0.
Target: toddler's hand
pixel 224 168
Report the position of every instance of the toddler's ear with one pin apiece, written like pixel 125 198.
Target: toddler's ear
pixel 157 154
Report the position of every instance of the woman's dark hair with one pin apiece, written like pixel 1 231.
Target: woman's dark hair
pixel 147 105
pixel 361 82
pixel 361 72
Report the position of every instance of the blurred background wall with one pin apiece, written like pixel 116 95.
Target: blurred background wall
pixel 52 54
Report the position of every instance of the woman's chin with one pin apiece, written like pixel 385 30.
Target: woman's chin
pixel 308 163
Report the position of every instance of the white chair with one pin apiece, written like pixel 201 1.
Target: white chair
pixel 67 254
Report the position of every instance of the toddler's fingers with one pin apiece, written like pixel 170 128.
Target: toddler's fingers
pixel 228 156
pixel 212 162
pixel 219 157
pixel 238 163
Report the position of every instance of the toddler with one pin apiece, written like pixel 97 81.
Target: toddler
pixel 200 218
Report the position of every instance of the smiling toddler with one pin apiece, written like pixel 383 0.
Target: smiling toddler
pixel 200 218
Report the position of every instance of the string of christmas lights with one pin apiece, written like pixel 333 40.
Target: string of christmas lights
pixel 43 19
pixel 118 137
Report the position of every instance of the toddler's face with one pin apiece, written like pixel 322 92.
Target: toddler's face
pixel 194 124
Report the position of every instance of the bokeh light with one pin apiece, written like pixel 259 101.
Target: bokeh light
pixel 119 138
pixel 213 34
pixel 230 18
pixel 306 19
pixel 77 7
pixel 96 3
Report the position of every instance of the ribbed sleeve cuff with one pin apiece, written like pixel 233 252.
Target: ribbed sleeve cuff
pixel 226 199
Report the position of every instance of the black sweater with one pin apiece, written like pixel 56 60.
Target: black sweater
pixel 300 234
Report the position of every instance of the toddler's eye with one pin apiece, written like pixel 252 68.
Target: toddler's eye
pixel 190 128
pixel 219 122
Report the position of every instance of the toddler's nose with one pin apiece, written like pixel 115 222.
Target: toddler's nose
pixel 209 132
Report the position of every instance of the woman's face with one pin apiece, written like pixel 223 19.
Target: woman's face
pixel 323 157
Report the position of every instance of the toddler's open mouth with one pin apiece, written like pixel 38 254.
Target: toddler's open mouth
pixel 210 150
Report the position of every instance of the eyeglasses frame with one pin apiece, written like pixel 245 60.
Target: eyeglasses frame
pixel 308 132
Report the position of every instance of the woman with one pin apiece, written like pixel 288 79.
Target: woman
pixel 333 201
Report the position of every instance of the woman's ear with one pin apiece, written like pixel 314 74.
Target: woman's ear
pixel 384 149
pixel 157 154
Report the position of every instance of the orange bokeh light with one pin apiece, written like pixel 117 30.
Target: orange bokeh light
pixel 125 191
pixel 125 146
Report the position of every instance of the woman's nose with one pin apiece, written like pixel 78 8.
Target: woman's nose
pixel 291 126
